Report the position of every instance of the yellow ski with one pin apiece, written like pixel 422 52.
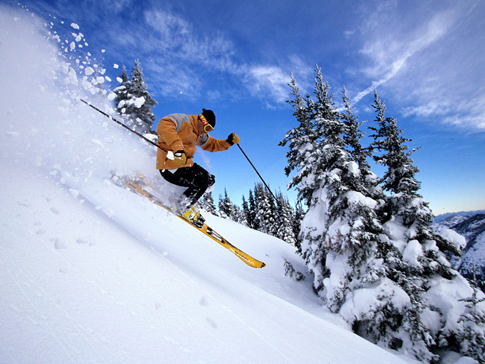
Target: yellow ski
pixel 207 230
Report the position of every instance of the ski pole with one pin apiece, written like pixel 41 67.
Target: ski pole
pixel 257 172
pixel 124 126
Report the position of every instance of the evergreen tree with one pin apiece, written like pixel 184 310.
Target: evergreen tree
pixel 238 215
pixel 374 258
pixel 341 249
pixel 368 182
pixel 246 213
pixel 265 216
pixel 285 216
pixel 226 207
pixel 416 260
pixel 353 136
pixel 121 93
pixel 207 203
pixel 297 220
pixel 303 143
pixel 133 100
pixel 471 338
pixel 272 218
pixel 252 211
pixel 361 266
pixel 259 209
pixel 315 149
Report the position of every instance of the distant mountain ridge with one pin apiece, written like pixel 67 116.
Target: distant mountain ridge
pixel 471 225
pixel 442 217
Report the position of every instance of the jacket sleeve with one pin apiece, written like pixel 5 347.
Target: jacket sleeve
pixel 167 130
pixel 215 145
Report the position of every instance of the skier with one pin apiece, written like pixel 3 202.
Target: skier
pixel 181 134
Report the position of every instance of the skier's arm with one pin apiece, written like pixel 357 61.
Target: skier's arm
pixel 217 145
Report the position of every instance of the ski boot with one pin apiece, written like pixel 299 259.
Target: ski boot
pixel 192 214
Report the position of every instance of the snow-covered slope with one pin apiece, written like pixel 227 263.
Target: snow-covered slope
pixel 139 287
pixel 92 273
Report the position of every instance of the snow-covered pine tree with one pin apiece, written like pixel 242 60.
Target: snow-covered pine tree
pixel 272 218
pixel 207 203
pixel 121 92
pixel 358 286
pixel 340 231
pixel 352 137
pixel 471 319
pixel 368 181
pixel 305 156
pixel 417 262
pixel 226 207
pixel 297 219
pixel 303 143
pixel 134 102
pixel 141 109
pixel 354 134
pixel 258 214
pixel 265 213
pixel 285 216
pixel 246 212
pixel 252 210
pixel 238 215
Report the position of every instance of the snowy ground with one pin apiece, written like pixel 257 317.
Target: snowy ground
pixel 92 273
pixel 81 287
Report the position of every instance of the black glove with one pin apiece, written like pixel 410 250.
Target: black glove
pixel 233 139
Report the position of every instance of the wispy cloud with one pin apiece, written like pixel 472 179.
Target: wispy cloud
pixel 171 51
pixel 389 51
pixel 466 113
pixel 432 64
pixel 181 58
pixel 177 36
pixel 270 81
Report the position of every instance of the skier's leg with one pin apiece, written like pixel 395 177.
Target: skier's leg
pixel 197 180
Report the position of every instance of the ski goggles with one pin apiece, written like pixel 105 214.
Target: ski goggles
pixel 207 127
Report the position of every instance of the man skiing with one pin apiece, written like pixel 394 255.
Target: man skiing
pixel 180 134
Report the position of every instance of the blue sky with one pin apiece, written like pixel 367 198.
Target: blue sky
pixel 424 58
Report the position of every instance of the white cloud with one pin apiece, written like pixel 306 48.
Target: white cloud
pixel 468 114
pixel 176 36
pixel 183 57
pixel 430 62
pixel 171 50
pixel 270 81
pixel 390 52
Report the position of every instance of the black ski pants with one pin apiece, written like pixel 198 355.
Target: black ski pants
pixel 195 178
